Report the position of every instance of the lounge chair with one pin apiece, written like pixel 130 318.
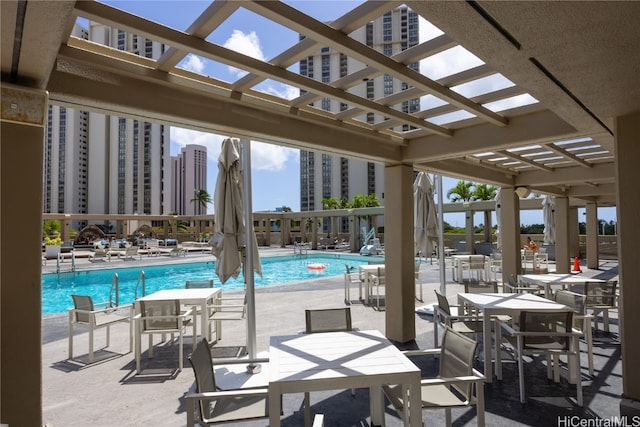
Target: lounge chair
pixel 216 406
pixel 100 255
pixel 129 253
pixel 177 251
pixel 152 247
pixel 85 313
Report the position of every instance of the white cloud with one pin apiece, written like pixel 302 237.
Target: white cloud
pixel 192 63
pixel 247 44
pixel 264 156
pixel 277 89
pixel 271 157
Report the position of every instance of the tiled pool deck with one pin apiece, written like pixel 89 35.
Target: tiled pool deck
pixel 108 393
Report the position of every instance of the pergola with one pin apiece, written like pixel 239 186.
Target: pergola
pixel 577 141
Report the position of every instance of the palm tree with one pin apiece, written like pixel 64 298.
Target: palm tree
pixel 202 197
pixel 462 192
pixel 485 192
pixel 332 203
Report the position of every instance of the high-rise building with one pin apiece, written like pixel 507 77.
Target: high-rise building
pixel 322 175
pixel 189 171
pixel 99 164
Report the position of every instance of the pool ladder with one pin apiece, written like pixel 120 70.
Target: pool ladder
pixel 115 288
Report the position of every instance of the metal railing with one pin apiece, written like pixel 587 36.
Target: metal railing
pixel 60 259
pixel 114 292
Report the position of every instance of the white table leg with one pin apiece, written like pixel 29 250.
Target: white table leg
pixel 487 346
pixel 274 405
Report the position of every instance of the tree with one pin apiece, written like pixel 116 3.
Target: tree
pixel 202 198
pixel 485 192
pixel 462 192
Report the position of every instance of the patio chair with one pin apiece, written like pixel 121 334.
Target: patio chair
pixel 548 333
pixel 85 313
pixel 515 286
pixel 475 287
pixel 351 277
pixel 457 385
pixel 529 258
pixel 162 317
pixel 217 407
pixel 453 317
pixel 325 320
pixel 378 280
pixel 476 265
pixel 601 297
pixel 581 320
pixel 227 308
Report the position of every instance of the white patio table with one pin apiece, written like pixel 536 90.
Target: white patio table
pixel 558 279
pixel 341 360
pixel 492 304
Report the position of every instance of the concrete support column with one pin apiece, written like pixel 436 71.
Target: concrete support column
pixel 399 254
pixel 20 264
pixel 65 226
pixel 267 232
pixel 470 235
pixel 574 233
pixel 563 256
pixel 627 149
pixel 314 232
pixel 592 235
pixel 353 234
pixel 510 232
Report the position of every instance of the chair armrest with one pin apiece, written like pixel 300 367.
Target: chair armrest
pixel 426 352
pixel 236 361
pixel 212 395
pixel 476 377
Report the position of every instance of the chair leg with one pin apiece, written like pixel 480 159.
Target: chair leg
pixel 447 416
pixel 521 370
pixel 589 338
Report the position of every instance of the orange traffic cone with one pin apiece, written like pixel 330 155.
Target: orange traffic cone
pixel 576 266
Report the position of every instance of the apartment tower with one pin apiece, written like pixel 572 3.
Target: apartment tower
pixel 125 168
pixel 323 175
pixel 189 171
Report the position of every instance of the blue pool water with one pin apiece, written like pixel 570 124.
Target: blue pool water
pixel 58 288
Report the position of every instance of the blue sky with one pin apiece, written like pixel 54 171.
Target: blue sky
pixel 275 169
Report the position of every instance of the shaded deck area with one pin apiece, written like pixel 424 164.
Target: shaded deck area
pixel 108 393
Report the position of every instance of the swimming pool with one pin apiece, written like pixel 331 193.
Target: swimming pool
pixel 57 288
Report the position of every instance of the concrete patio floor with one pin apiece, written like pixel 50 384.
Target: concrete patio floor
pixel 109 393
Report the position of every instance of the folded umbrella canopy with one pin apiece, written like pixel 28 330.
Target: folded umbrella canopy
pixel 425 221
pixel 231 237
pixel 549 214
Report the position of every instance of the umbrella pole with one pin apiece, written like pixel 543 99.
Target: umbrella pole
pixel 443 279
pixel 248 260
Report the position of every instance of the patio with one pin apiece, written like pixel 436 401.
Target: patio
pixel 109 393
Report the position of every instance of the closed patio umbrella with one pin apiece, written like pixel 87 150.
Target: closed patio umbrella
pixel 424 210
pixel 498 230
pixel 233 236
pixel 549 214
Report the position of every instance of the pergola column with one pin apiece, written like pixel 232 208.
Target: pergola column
pixel 510 232
pixel 563 255
pixel 399 254
pixel 592 235
pixel 22 133
pixel 627 149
